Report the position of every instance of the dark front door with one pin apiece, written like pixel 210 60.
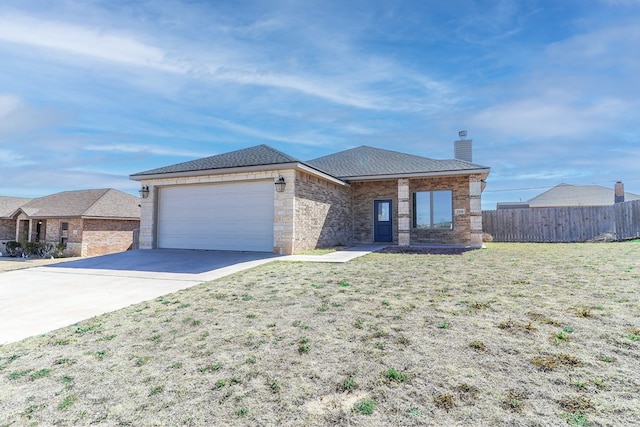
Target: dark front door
pixel 382 229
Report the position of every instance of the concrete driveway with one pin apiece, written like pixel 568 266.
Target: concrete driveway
pixel 37 300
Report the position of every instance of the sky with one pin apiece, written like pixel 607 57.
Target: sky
pixel 92 91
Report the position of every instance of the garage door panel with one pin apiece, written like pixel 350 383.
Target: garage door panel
pixel 220 217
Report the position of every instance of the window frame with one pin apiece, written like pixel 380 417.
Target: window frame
pixel 431 226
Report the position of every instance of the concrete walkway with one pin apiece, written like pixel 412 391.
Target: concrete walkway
pixel 337 256
pixel 40 299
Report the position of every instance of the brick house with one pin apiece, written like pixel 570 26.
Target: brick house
pixel 8 205
pixel 88 222
pixel 361 195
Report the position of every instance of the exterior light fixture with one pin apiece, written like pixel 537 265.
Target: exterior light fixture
pixel 144 191
pixel 280 184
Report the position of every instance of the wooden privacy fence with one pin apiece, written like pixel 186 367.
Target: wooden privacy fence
pixel 575 224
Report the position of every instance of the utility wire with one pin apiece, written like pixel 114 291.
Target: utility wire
pixel 551 186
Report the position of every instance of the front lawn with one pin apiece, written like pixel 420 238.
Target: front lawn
pixel 517 334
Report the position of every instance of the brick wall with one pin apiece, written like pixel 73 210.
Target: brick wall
pixel 461 232
pixel 323 215
pixel 7 229
pixel 101 237
pixel 52 230
pixel 364 193
pixel 7 232
pixel 74 241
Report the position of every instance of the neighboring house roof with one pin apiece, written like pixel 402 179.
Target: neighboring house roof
pixel 577 195
pixel 363 162
pixel 8 205
pixel 100 203
pixel 260 155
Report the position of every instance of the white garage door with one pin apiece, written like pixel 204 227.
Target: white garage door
pixel 237 216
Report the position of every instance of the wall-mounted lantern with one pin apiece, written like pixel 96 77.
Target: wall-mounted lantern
pixel 144 191
pixel 280 184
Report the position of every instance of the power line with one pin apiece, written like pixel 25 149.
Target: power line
pixel 515 189
pixel 551 186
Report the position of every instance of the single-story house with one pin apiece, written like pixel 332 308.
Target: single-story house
pixel 87 222
pixel 567 195
pixel 261 199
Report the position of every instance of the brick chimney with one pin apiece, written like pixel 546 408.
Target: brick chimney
pixel 619 192
pixel 462 148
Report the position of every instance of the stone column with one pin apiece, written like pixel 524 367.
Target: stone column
pixel 404 219
pixel 147 218
pixel 475 210
pixel 283 222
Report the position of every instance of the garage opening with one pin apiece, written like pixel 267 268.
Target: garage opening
pixel 227 216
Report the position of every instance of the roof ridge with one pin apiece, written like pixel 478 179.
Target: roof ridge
pixel 106 190
pixel 276 151
pixel 257 155
pixel 371 148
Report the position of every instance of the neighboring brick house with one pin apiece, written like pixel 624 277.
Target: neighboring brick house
pixel 362 195
pixel 88 222
pixel 8 205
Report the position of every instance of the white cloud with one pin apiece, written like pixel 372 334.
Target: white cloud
pixel 355 83
pixel 11 158
pixel 547 174
pixel 549 117
pixel 135 148
pixel 261 134
pixel 18 117
pixel 107 45
pixel 9 104
pixel 485 24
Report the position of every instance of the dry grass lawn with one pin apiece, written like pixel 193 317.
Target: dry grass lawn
pixel 517 334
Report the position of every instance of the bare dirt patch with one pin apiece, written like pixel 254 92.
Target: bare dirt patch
pixel 424 250
pixel 486 337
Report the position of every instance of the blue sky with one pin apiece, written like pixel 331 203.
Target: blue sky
pixel 93 91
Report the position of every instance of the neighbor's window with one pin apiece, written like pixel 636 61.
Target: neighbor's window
pixel 433 210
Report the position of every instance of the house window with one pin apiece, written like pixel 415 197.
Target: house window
pixel 433 210
pixel 64 232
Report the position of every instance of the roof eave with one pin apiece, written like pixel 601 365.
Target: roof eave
pixel 240 169
pixel 306 168
pixel 216 171
pixel 117 218
pixel 483 171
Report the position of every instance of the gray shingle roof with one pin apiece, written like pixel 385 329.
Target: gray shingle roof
pixel 8 205
pixel 254 156
pixel 368 161
pixel 100 203
pixel 350 164
pixel 577 195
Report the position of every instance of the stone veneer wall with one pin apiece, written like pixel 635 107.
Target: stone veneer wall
pixel 323 215
pixel 363 195
pixel 475 209
pixel 103 236
pixel 461 232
